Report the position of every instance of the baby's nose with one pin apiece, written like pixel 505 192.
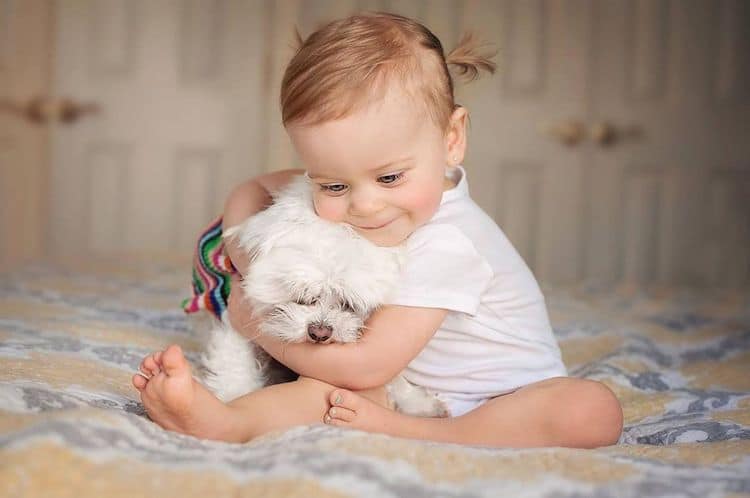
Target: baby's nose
pixel 364 203
pixel 318 332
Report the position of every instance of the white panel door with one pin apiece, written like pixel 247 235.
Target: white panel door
pixel 25 52
pixel 521 170
pixel 669 196
pixel 178 85
pixel 658 189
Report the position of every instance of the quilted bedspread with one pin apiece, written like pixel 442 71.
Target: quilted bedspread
pixel 71 336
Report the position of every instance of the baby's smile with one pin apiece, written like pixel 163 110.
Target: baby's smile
pixel 375 226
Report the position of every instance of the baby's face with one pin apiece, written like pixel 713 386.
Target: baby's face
pixel 380 170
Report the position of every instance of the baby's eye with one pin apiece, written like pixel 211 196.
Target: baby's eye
pixel 392 178
pixel 335 188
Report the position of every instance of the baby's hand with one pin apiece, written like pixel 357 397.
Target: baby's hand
pixel 240 313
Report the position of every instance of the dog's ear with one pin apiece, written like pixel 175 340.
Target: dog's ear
pixel 254 235
pixel 291 214
pixel 368 278
pixel 235 234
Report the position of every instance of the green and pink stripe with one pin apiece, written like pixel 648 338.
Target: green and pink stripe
pixel 212 273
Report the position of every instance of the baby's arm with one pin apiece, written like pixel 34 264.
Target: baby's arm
pixel 247 199
pixel 393 336
pixel 383 351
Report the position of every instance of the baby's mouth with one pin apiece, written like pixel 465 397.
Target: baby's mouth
pixel 375 226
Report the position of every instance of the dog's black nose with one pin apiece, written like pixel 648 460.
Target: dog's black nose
pixel 319 333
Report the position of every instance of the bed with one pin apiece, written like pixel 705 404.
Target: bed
pixel 72 334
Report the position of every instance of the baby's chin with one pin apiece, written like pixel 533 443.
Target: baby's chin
pixel 389 236
pixel 385 243
pixel 383 238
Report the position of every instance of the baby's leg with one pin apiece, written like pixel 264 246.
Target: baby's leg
pixel 560 411
pixel 304 401
pixel 175 401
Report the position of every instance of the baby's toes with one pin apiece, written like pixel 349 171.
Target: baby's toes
pixel 155 386
pixel 173 362
pixel 145 370
pixel 339 414
pixel 139 381
pixel 345 399
pixel 149 366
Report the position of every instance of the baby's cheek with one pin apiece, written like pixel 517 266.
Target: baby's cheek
pixel 424 205
pixel 327 208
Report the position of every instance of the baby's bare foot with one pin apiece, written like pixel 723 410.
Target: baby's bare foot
pixel 357 412
pixel 174 400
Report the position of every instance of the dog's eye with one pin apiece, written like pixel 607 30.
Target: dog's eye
pixel 347 307
pixel 307 302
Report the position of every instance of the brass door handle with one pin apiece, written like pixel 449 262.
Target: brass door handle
pixel 603 133
pixel 569 132
pixel 40 110
pixel 606 134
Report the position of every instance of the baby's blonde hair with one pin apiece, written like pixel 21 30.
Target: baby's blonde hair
pixel 350 63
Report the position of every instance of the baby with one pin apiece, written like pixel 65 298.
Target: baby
pixel 368 104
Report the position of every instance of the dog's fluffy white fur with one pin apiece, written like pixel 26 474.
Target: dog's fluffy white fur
pixel 308 279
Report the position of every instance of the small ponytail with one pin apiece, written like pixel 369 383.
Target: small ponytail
pixel 298 41
pixel 469 60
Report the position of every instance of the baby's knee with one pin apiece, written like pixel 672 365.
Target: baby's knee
pixel 595 413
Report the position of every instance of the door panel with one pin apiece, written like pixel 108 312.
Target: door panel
pixel 179 87
pixel 25 57
pixel 189 97
pixel 529 181
pixel 677 105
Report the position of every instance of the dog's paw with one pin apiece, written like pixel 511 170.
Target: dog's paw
pixel 414 400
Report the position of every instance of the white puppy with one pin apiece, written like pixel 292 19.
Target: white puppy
pixel 309 280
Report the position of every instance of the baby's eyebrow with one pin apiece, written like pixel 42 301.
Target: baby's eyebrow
pixel 388 165
pixel 375 169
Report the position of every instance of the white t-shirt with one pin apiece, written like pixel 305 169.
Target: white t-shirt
pixel 496 336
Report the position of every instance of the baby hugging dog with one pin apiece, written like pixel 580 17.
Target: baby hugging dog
pixel 309 280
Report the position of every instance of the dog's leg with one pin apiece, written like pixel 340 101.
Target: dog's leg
pixel 231 368
pixel 414 400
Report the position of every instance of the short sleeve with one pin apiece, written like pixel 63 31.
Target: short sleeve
pixel 443 270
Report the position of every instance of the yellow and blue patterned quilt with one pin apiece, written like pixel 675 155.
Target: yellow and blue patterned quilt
pixel 71 336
